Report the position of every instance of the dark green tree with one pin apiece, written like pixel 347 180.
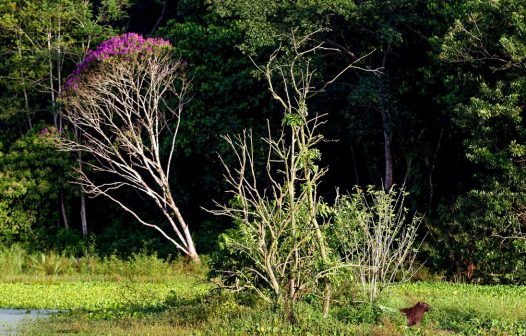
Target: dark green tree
pixel 39 44
pixel 226 97
pixel 33 179
pixel 484 52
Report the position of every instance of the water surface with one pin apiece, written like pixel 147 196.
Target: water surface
pixel 11 318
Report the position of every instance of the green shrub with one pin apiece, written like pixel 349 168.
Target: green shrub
pixel 358 313
pixel 13 259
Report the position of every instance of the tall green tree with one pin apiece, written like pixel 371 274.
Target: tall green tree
pixel 484 50
pixel 40 41
pixel 33 179
pixel 377 108
pixel 226 97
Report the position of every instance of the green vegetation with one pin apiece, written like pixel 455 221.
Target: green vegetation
pixel 348 132
pixel 181 303
pixel 82 295
pixel 501 302
pixel 40 267
pixel 434 102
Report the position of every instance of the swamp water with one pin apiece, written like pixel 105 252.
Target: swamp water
pixel 11 318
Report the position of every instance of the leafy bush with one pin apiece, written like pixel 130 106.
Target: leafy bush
pixel 358 313
pixel 33 178
pixel 373 232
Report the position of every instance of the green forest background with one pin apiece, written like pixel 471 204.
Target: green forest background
pixel 444 117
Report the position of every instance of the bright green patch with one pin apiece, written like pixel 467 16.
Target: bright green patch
pixel 148 296
pixel 466 309
pixel 186 307
pixel 94 295
pixel 502 302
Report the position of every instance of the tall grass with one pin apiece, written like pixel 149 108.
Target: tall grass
pixel 16 263
pixel 12 259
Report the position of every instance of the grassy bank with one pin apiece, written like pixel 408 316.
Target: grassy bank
pixel 185 306
pixel 18 265
pixel 145 295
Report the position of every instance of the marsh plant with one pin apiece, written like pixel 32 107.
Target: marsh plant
pixel 19 263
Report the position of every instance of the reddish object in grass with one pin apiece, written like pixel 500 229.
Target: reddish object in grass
pixel 416 313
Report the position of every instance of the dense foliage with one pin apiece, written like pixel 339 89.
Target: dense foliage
pixel 442 114
pixel 34 180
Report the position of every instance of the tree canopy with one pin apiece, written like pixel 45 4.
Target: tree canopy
pixel 434 103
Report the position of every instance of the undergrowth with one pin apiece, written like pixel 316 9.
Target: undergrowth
pixel 147 295
pixel 20 265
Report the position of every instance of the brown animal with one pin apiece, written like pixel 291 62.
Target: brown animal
pixel 416 313
pixel 470 269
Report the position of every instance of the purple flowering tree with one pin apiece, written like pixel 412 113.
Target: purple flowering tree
pixel 120 99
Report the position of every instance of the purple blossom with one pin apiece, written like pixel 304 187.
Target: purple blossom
pixel 126 44
pixel 49 134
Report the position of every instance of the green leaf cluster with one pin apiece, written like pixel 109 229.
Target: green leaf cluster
pixel 33 175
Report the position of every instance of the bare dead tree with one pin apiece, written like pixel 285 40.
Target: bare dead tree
pixel 277 223
pixel 280 229
pixel 121 109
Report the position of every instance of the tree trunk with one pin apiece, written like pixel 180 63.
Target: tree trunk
pixel 63 211
pixel 431 189
pixel 160 18
pixel 327 299
pixel 386 121
pixel 189 243
pixel 83 220
pixel 289 303
pixel 24 90
pixel 59 72
pixel 312 192
pixel 51 84
pixel 192 253
pixel 388 182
